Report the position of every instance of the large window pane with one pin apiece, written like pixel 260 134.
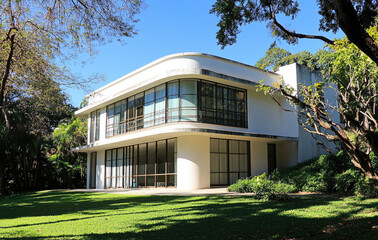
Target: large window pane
pixel 173 109
pixel 188 87
pixel 92 127
pixel 161 156
pixel 142 159
pixel 171 160
pixel 160 111
pixel 229 160
pixel 110 120
pixel 173 88
pixel 151 158
pixel 160 91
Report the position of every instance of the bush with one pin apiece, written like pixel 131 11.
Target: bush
pixel 366 188
pixel 329 173
pixel 263 187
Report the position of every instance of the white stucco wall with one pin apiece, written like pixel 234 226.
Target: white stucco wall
pixel 193 162
pixel 259 158
pixel 266 117
pixel 100 170
pixel 88 170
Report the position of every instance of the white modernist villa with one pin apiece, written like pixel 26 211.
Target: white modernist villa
pixel 190 121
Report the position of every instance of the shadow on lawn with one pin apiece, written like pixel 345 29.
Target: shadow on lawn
pixel 209 218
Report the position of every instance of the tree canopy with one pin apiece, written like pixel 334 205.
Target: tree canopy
pixel 349 66
pixel 353 17
pixel 36 38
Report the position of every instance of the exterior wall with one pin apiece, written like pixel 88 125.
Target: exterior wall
pixel 259 158
pixel 193 162
pixel 293 75
pixel 287 154
pixel 172 66
pixel 267 122
pixel 266 117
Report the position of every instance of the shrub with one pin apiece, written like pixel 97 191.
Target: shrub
pixel 263 187
pixel 366 188
pixel 329 173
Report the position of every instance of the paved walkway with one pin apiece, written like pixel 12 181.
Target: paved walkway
pixel 166 191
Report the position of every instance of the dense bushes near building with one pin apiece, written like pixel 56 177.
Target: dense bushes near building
pixel 264 187
pixel 328 173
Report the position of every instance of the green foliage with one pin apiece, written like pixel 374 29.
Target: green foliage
pixel 70 167
pixel 263 187
pixel 328 173
pixel 366 188
pixel 277 57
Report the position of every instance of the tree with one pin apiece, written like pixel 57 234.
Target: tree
pixel 37 36
pixel 349 64
pixel 276 57
pixel 353 17
pixel 33 119
pixel 69 166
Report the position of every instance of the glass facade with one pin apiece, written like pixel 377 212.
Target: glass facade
pixel 150 164
pixel 229 161
pixel 95 126
pixel 179 100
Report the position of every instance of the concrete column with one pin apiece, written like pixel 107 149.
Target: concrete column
pixel 88 169
pixel 100 170
pixel 193 162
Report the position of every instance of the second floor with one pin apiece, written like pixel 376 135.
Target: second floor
pixel 215 95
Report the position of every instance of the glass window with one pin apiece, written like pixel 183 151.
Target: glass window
pixel 160 91
pixel 150 164
pixel 142 157
pixel 228 164
pixel 178 100
pixel 110 120
pixel 173 88
pixel 97 134
pixel 151 158
pixel 188 86
pixel 92 127
pixel 161 156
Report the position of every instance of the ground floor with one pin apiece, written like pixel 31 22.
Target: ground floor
pixel 188 162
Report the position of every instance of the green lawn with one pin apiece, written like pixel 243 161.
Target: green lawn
pixel 73 215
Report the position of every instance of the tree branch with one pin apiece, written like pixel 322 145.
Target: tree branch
pixel 299 35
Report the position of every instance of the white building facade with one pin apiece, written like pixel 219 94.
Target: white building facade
pixel 190 121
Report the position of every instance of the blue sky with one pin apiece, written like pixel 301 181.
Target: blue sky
pixel 173 26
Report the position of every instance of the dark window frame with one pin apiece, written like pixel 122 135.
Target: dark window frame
pixel 135 163
pixel 232 117
pixel 229 172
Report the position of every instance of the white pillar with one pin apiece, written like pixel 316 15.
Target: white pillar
pixel 100 170
pixel 88 169
pixel 193 162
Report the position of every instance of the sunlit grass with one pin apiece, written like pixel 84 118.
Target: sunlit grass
pixel 73 215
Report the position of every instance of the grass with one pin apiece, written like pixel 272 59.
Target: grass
pixel 74 215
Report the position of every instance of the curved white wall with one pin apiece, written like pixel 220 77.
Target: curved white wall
pixel 193 162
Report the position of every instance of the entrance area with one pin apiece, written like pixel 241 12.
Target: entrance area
pixel 229 161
